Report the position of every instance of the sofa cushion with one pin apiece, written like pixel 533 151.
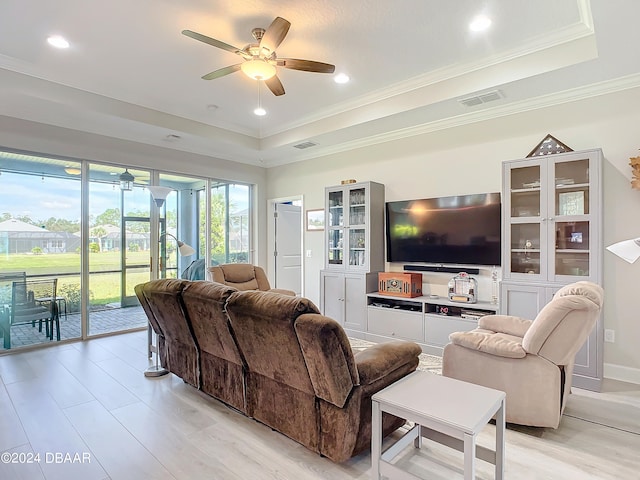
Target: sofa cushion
pixel 508 324
pixel 500 344
pixel 262 320
pixel 328 357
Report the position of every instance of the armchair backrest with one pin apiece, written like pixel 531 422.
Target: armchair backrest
pixel 563 325
pixel 241 276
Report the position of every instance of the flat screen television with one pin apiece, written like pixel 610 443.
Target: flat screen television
pixel 463 229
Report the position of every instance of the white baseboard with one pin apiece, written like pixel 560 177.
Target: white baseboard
pixel 622 373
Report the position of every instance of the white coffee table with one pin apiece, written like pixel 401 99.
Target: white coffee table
pixel 445 410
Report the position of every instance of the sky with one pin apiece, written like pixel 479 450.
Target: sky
pixel 41 198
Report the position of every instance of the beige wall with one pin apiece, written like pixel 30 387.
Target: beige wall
pixel 454 161
pixel 468 160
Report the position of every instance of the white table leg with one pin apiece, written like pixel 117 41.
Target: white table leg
pixel 376 439
pixel 469 457
pixel 418 441
pixel 500 440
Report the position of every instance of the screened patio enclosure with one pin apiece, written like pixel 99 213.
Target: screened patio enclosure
pixel 72 220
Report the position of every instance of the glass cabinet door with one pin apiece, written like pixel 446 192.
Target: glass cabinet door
pixel 357 232
pixel 357 208
pixel 572 225
pixel 525 230
pixel 335 228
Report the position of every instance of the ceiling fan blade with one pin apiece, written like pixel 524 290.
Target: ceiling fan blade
pixel 221 72
pixel 306 65
pixel 214 42
pixel 274 35
pixel 275 85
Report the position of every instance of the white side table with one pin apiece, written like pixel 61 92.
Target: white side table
pixel 445 410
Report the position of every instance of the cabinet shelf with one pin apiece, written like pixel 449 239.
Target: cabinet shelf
pixel 426 320
pixel 523 250
pixel 572 250
pixel 572 186
pixel 525 190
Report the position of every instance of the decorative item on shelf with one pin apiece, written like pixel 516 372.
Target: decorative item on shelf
pixel 348 181
pixel 548 146
pixel 463 288
pixel 635 171
pixel 494 286
pixel 400 284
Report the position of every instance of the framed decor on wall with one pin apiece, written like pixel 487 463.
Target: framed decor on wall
pixel 315 220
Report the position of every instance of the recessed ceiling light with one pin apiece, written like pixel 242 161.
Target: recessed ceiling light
pixel 480 23
pixel 58 41
pixel 341 78
pixel 261 112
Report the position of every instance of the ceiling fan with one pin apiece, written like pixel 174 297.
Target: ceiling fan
pixel 260 58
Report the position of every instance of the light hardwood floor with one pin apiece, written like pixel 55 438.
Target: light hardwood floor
pixel 89 402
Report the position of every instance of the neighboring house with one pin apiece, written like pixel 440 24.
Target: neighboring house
pixel 19 237
pixel 112 238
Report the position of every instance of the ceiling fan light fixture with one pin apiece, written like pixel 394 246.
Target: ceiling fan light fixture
pixel 261 112
pixel 258 69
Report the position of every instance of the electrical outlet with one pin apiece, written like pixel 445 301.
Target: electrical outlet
pixel 308 253
pixel 609 335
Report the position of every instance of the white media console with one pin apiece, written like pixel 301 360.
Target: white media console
pixel 425 320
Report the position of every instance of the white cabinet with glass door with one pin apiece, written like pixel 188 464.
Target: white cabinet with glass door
pixel 552 218
pixel 354 251
pixel 355 227
pixel 552 236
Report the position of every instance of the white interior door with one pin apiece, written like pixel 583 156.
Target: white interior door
pixel 288 247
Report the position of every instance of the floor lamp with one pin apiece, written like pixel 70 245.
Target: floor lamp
pixel 628 250
pixel 159 195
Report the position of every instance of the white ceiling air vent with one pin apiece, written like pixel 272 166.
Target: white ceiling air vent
pixel 482 98
pixel 304 145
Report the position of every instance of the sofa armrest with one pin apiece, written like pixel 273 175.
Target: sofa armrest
pixel 283 291
pixel 379 360
pixel 499 344
pixel 508 324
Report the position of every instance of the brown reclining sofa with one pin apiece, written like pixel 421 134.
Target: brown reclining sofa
pixel 276 359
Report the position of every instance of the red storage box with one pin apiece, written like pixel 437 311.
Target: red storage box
pixel 400 284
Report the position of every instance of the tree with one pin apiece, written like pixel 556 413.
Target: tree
pixel 99 233
pixel 61 225
pixel 110 216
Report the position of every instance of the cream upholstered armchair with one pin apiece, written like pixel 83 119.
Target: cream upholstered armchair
pixel 532 361
pixel 243 276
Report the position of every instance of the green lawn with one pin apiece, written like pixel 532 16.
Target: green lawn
pixel 104 287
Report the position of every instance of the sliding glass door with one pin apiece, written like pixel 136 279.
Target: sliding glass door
pixel 119 248
pixel 97 230
pixel 40 200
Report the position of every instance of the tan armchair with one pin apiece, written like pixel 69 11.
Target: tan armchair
pixel 243 276
pixel 532 361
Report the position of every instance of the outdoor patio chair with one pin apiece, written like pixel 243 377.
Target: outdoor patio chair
pixel 31 301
